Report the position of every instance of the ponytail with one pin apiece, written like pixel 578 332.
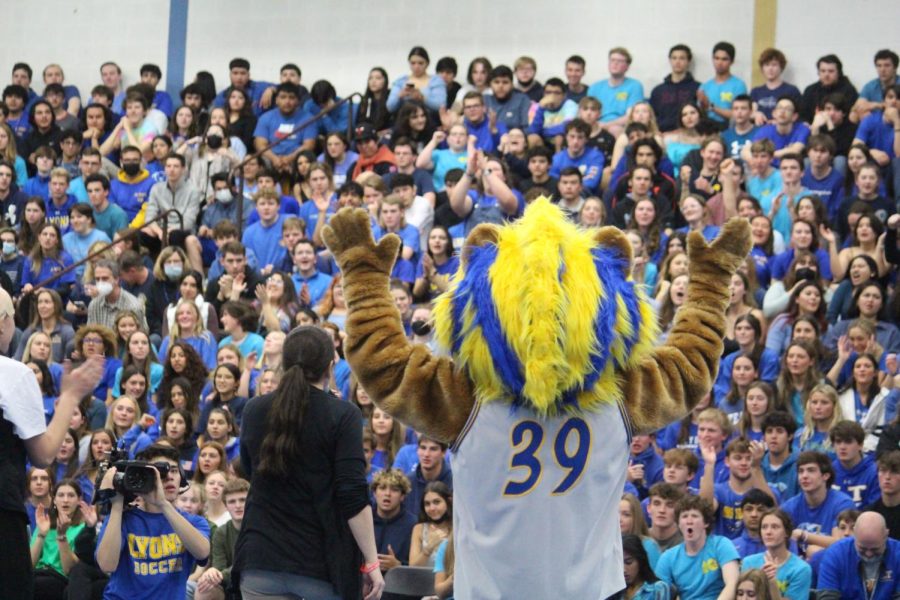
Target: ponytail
pixel 308 352
pixel 282 443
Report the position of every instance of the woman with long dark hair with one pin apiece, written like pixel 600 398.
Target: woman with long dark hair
pixel 309 511
pixel 642 583
pixel 373 106
pixel 435 524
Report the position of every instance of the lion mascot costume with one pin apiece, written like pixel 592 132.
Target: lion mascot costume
pixel 551 365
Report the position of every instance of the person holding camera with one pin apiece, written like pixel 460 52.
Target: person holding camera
pixel 25 434
pixel 149 551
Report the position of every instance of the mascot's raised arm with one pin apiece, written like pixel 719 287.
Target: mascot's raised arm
pixel 551 366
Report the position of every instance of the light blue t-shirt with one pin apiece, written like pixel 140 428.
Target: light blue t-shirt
pixel 78 245
pixel 794 577
pixel 444 160
pixel 275 126
pixel 697 577
pixel 252 342
pixel 873 92
pixel 616 100
pixel 721 95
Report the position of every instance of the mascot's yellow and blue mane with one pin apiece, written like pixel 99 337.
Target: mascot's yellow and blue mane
pixel 545 317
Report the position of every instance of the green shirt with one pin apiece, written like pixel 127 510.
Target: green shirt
pixel 50 552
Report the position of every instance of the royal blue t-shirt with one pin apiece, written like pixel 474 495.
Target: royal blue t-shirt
pixel 876 133
pixel 781 262
pixel 275 126
pixel 408 234
pixel 49 267
pixel 310 214
pixel 266 241
pixel 830 189
pixel 589 164
pixel 153 562
pixel 798 133
pixel 317 284
pixel 59 215
pixel 821 519
pixel 860 482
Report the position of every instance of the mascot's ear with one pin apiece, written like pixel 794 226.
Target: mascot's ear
pixel 613 238
pixel 482 235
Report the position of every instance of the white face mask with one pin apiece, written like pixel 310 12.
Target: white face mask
pixel 104 288
pixel 224 196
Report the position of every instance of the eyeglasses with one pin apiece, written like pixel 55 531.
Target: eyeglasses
pixel 92 340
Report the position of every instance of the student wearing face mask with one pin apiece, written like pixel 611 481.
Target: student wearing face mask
pixel 111 298
pixel 207 156
pixel 220 207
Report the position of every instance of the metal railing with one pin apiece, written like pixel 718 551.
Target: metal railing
pixel 238 171
pixel 131 233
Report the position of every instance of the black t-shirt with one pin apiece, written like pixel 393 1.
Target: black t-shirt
pixel 299 524
pixel 842 135
pixel 891 516
pixel 604 142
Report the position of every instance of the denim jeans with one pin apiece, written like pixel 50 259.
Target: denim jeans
pixel 270 585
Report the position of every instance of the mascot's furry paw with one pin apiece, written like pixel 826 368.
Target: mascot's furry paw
pixel 349 237
pixel 727 252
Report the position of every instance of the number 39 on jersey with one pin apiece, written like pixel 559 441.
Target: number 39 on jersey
pixel 571 448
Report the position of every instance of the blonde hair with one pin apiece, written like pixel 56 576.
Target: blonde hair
pixel 392 200
pixel 653 125
pixel 837 415
pixel 638 523
pixel 26 355
pixel 176 333
pixel 392 478
pixel 10 154
pixel 88 274
pixel 714 415
pixel 110 424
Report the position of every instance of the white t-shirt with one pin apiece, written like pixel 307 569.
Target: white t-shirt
pixel 20 399
pixel 420 215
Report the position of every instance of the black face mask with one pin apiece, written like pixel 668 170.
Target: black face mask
pixel 131 169
pixel 421 328
pixel 805 273
pixel 214 141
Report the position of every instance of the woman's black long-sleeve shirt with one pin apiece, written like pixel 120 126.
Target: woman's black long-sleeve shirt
pixel 299 524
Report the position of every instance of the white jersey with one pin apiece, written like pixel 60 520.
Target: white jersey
pixel 536 504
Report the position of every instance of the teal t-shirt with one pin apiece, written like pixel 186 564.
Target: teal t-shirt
pixel 794 577
pixel 697 577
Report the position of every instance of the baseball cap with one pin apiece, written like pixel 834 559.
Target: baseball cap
pixel 364 132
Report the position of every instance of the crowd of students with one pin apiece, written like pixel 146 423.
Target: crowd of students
pixel 770 471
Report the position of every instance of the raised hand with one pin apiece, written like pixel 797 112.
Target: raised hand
pixel 88 513
pixel 349 237
pixel 709 455
pixel 82 381
pixel 42 519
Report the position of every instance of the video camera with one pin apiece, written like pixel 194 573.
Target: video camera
pixel 132 477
